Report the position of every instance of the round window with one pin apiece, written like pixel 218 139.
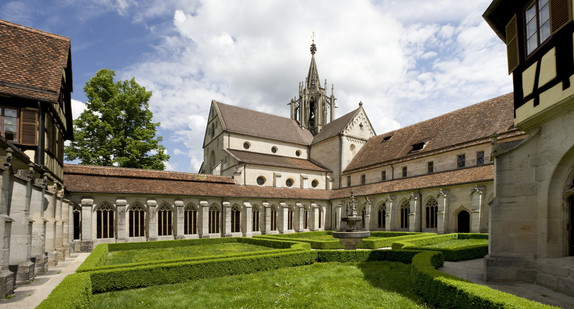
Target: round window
pixel 298 152
pixel 289 182
pixel 260 180
pixel 246 145
pixel 273 149
pixel 314 183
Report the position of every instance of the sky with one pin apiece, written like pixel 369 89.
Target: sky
pixel 406 60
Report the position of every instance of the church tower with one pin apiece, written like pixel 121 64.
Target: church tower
pixel 313 109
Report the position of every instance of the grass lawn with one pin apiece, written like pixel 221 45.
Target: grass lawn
pixel 321 285
pixel 458 243
pixel 143 255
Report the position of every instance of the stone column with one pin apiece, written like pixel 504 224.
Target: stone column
pixel 266 218
pixel 87 243
pixel 368 210
pixel 59 244
pixel 338 216
pixel 389 220
pixel 247 220
pixel 121 221
pixel 6 276
pixel 226 219
pixel 442 212
pixel 152 220
pixel 38 205
pixel 299 218
pixel 179 213
pixel 415 212
pixel 203 219
pixel 314 217
pixel 477 198
pixel 282 220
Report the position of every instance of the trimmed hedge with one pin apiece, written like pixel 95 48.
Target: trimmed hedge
pixel 135 277
pixel 403 256
pixel 75 291
pixel 445 291
pixel 423 241
pixel 454 254
pixel 98 257
pixel 386 239
pixel 315 244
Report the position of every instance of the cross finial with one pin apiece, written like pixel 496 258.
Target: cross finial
pixel 313 36
pixel 313 46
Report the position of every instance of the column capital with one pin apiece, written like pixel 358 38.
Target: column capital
pixel 178 203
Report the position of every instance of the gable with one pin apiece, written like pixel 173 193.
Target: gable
pixel 359 126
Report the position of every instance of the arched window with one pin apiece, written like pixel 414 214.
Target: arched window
pixel 214 219
pixel 105 221
pixel 190 220
pixel 235 219
pixel 255 219
pixel 164 220
pixel 431 211
pixel 77 212
pixel 320 217
pixel 363 218
pixel 305 218
pixel 290 219
pixel 381 216
pixel 136 220
pixel 405 205
pixel 273 219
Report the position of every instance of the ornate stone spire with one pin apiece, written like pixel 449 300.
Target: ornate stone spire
pixel 310 109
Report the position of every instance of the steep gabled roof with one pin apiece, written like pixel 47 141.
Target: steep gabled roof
pixel 32 62
pixel 277 161
pixel 252 123
pixel 335 127
pixel 470 124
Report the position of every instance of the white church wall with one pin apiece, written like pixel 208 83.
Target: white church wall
pixel 265 146
pixel 328 154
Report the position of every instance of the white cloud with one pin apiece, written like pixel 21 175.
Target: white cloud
pixel 77 108
pixel 406 65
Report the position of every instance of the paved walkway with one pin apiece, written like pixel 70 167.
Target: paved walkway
pixel 473 270
pixel 29 296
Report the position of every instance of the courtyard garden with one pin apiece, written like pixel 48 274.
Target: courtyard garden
pixel 281 271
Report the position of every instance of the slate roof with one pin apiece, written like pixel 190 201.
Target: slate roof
pixel 31 62
pixel 464 127
pixel 112 180
pixel 437 180
pixel 335 127
pixel 277 161
pixel 252 123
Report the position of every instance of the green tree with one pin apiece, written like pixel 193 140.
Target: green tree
pixel 116 129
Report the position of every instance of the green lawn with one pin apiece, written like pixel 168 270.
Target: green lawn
pixel 143 255
pixel 458 243
pixel 321 285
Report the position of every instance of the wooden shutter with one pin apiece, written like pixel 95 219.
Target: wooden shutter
pixel 512 44
pixel 29 127
pixel 560 14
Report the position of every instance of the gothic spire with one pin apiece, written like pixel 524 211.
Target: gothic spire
pixel 313 80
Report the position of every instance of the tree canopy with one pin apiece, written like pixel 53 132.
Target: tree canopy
pixel 116 129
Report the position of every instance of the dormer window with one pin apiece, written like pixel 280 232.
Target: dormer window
pixel 537 24
pixel 386 138
pixel 418 146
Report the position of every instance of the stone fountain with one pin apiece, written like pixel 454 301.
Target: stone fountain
pixel 351 232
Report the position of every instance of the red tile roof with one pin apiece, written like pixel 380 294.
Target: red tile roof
pixel 252 123
pixel 277 161
pixel 31 62
pixel 335 127
pixel 464 127
pixel 438 180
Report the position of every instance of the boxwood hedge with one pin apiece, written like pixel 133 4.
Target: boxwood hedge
pixel 75 291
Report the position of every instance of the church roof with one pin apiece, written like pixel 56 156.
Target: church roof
pixel 252 123
pixel 463 127
pixel 32 62
pixel 477 174
pixel 335 127
pixel 277 161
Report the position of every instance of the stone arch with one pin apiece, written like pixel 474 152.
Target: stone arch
pixel 273 217
pixel 404 211
pixel 462 219
pixel 382 215
pixel 165 216
pixel 430 212
pixel 560 224
pixel 256 213
pixel 136 219
pixel 190 214
pixel 235 218
pixel 214 219
pixel 105 220
pixel 77 221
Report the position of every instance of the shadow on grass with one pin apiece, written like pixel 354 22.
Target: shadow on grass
pixel 392 277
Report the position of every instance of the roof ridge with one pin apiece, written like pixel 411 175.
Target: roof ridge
pixel 30 29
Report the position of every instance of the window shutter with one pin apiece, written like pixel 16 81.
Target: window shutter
pixel 29 127
pixel 559 14
pixel 512 44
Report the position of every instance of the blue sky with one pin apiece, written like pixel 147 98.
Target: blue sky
pixel 406 60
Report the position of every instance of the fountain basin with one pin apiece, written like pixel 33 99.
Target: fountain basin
pixel 350 239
